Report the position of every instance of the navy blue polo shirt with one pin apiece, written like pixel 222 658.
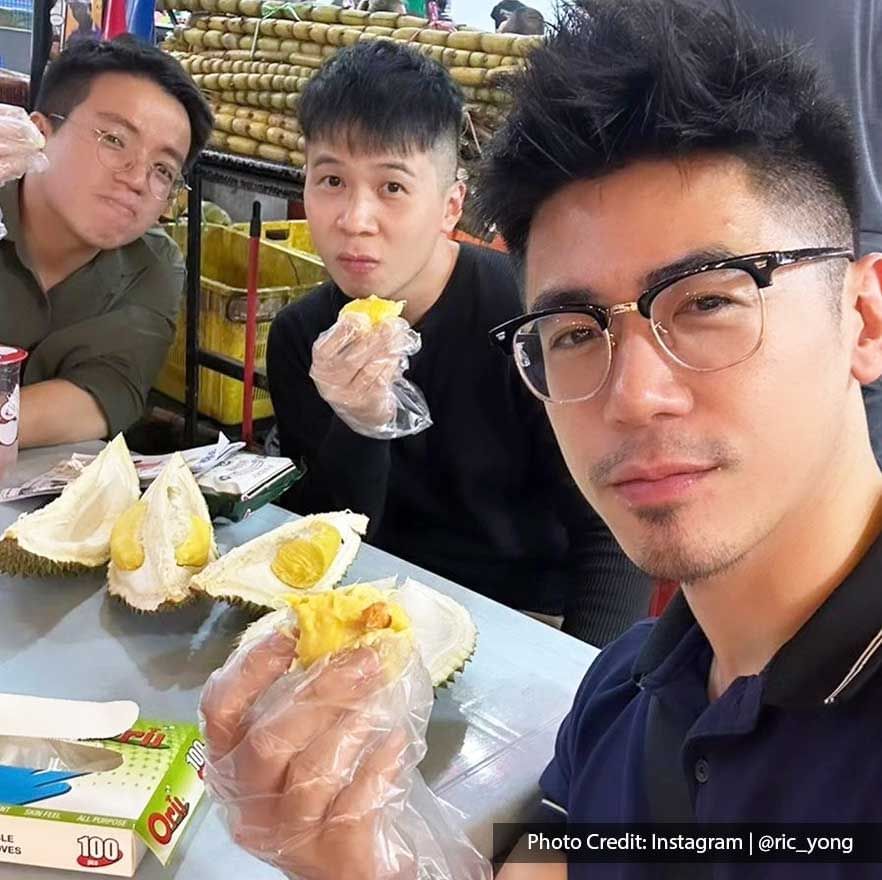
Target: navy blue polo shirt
pixel 800 742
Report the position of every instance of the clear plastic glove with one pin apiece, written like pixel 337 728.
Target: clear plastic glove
pixel 359 371
pixel 316 769
pixel 21 144
pixel 21 148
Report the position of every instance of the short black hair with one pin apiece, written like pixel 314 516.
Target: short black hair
pixel 69 79
pixel 383 95
pixel 643 79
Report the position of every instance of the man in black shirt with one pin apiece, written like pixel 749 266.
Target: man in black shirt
pixel 482 496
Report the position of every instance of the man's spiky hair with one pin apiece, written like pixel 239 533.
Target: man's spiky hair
pixel 384 95
pixel 624 80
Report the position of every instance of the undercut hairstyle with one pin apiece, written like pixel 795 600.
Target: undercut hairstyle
pixel 618 82
pixel 69 79
pixel 381 96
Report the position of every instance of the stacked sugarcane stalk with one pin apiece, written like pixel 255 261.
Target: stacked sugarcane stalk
pixel 253 58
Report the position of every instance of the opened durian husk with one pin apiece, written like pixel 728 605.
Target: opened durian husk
pixel 161 542
pixel 265 572
pixel 71 535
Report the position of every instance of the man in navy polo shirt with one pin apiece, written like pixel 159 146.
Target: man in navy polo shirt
pixel 682 193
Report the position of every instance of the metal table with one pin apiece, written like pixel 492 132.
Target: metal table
pixel 491 733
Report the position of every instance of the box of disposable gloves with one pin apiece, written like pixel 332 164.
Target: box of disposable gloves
pixel 91 787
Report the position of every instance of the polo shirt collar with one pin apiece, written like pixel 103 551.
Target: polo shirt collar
pixel 836 652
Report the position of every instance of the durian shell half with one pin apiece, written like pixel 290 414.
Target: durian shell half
pixel 160 584
pixel 243 576
pixel 71 535
pixel 16 561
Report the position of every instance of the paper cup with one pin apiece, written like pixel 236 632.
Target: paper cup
pixel 10 369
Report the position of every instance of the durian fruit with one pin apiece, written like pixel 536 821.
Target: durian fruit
pixel 71 535
pixel 375 308
pixel 442 629
pixel 310 554
pixel 161 541
pixel 346 618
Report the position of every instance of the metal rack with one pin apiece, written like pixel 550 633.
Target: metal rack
pixel 254 175
pixel 41 44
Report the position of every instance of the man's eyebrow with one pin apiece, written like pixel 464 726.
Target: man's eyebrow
pixel 556 297
pixel 324 159
pixel 399 166
pixel 121 120
pixel 693 260
pixel 329 159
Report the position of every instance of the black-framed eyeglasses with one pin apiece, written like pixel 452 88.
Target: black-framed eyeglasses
pixel 708 318
pixel 119 151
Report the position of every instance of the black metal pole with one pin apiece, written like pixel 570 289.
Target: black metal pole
pixel 41 45
pixel 194 264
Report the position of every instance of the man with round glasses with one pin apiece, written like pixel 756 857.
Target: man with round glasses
pixel 86 285
pixel 681 192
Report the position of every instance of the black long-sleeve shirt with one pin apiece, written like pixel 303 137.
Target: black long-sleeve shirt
pixel 481 497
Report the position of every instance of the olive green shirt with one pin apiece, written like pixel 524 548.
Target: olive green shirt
pixel 106 328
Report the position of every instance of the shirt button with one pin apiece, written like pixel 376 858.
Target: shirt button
pixel 702 770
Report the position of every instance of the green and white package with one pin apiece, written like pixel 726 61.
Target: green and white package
pixel 103 822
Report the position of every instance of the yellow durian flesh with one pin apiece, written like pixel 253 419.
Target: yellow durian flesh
pixel 439 627
pixel 375 308
pixel 126 543
pixel 303 561
pixel 329 622
pixel 195 549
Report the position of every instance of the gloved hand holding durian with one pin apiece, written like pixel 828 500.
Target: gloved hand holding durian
pixel 21 147
pixel 358 368
pixel 21 144
pixel 314 733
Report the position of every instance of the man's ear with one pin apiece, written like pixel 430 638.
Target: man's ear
pixel 866 364
pixel 42 122
pixel 456 197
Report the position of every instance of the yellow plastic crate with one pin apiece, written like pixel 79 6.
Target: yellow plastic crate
pixel 282 277
pixel 291 234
